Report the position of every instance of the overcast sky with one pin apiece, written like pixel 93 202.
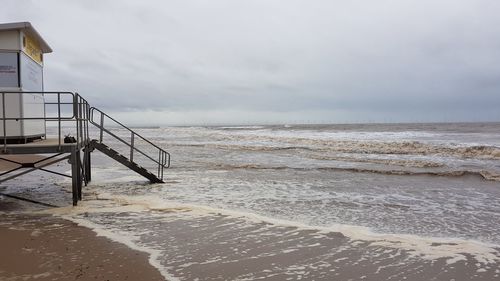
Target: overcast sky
pixel 273 61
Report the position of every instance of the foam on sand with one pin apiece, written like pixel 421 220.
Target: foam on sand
pixel 429 248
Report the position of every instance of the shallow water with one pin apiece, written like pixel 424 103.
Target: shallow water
pixel 378 176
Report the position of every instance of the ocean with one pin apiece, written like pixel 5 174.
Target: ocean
pixel 303 202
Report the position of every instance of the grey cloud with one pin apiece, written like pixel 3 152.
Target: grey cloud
pixel 345 60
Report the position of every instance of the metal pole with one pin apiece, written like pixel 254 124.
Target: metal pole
pixel 74 176
pixel 44 116
pixel 159 161
pixel 86 122
pixel 88 167
pixel 131 146
pixel 59 119
pixel 80 115
pixel 102 126
pixel 162 165
pixel 4 125
pixel 79 174
pixel 75 114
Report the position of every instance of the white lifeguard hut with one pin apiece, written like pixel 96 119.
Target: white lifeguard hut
pixel 21 70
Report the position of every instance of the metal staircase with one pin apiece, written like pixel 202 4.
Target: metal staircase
pixel 125 161
pixel 70 111
pixel 154 154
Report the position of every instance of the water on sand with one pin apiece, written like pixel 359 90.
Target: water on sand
pixel 309 202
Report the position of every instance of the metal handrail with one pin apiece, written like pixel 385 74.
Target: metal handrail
pixel 163 160
pixel 81 114
pixel 79 117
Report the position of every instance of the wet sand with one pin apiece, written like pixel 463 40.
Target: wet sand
pixel 213 246
pixel 207 246
pixel 42 247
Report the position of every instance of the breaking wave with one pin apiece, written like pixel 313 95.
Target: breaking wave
pixel 487 175
pixel 366 147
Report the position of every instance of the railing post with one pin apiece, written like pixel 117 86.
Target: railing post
pixel 59 120
pixel 131 146
pixel 79 121
pixel 162 165
pixel 44 115
pixel 101 127
pixel 74 175
pixel 87 116
pixel 159 161
pixel 75 115
pixel 4 125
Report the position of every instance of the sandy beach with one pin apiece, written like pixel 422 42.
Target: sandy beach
pixel 209 246
pixel 206 245
pixel 43 247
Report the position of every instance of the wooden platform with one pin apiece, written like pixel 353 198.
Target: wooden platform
pixel 50 145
